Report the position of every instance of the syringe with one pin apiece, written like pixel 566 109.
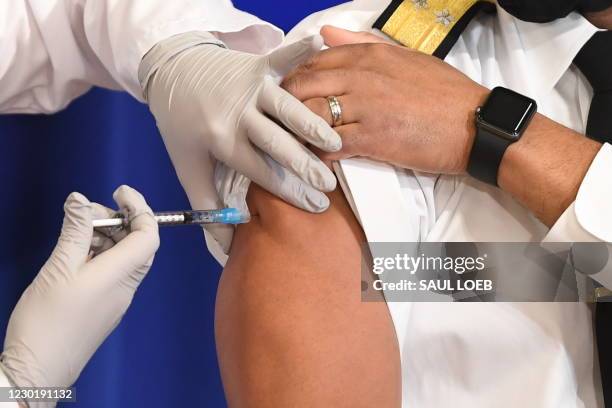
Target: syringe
pixel 170 218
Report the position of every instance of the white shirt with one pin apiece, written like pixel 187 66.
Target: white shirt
pixel 55 50
pixel 501 354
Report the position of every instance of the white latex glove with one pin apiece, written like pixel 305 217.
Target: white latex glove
pixel 80 294
pixel 213 104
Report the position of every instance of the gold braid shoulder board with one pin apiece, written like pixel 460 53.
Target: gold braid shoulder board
pixel 430 26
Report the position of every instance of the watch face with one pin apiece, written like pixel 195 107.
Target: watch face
pixel 507 112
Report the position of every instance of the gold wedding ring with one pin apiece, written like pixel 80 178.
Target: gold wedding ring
pixel 336 110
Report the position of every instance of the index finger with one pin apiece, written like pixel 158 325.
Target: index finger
pixel 336 36
pixel 140 244
pixel 347 48
pixel 321 83
pixel 298 118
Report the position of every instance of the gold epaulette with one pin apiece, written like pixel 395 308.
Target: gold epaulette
pixel 430 26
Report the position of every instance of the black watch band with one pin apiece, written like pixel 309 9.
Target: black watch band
pixel 501 121
pixel 486 157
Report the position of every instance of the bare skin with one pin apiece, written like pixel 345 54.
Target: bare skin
pixel 291 328
pixel 392 114
pixel 545 169
pixel 601 19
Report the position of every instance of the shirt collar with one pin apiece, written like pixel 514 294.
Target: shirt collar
pixel 550 48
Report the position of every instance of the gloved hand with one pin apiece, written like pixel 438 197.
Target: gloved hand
pixel 213 104
pixel 80 294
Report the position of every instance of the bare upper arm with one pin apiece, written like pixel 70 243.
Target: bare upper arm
pixel 290 324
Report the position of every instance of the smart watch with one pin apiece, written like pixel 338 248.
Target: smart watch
pixel 501 121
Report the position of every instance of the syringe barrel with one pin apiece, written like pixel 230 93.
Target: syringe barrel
pixel 170 218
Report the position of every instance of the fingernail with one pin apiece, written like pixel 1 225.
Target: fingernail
pixel 77 208
pixel 319 202
pixel 75 203
pixel 336 144
pixel 76 200
pixel 120 189
pixel 320 176
pixel 333 139
pixel 317 41
pixel 328 181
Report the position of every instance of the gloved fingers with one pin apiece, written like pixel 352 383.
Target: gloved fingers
pixel 100 243
pixel 141 242
pixel 143 228
pixel 288 186
pixel 307 125
pixel 196 174
pixel 73 245
pixel 288 152
pixel 270 175
pixel 283 60
pixel 138 213
pixel 105 238
pixel 100 211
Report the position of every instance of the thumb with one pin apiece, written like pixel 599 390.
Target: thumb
pixel 74 242
pixel 283 60
pixel 134 252
pixel 335 36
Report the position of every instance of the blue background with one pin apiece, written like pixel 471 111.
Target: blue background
pixel 163 352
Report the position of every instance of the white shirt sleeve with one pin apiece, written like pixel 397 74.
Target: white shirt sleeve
pixel 589 218
pixel 55 50
pixel 4 382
